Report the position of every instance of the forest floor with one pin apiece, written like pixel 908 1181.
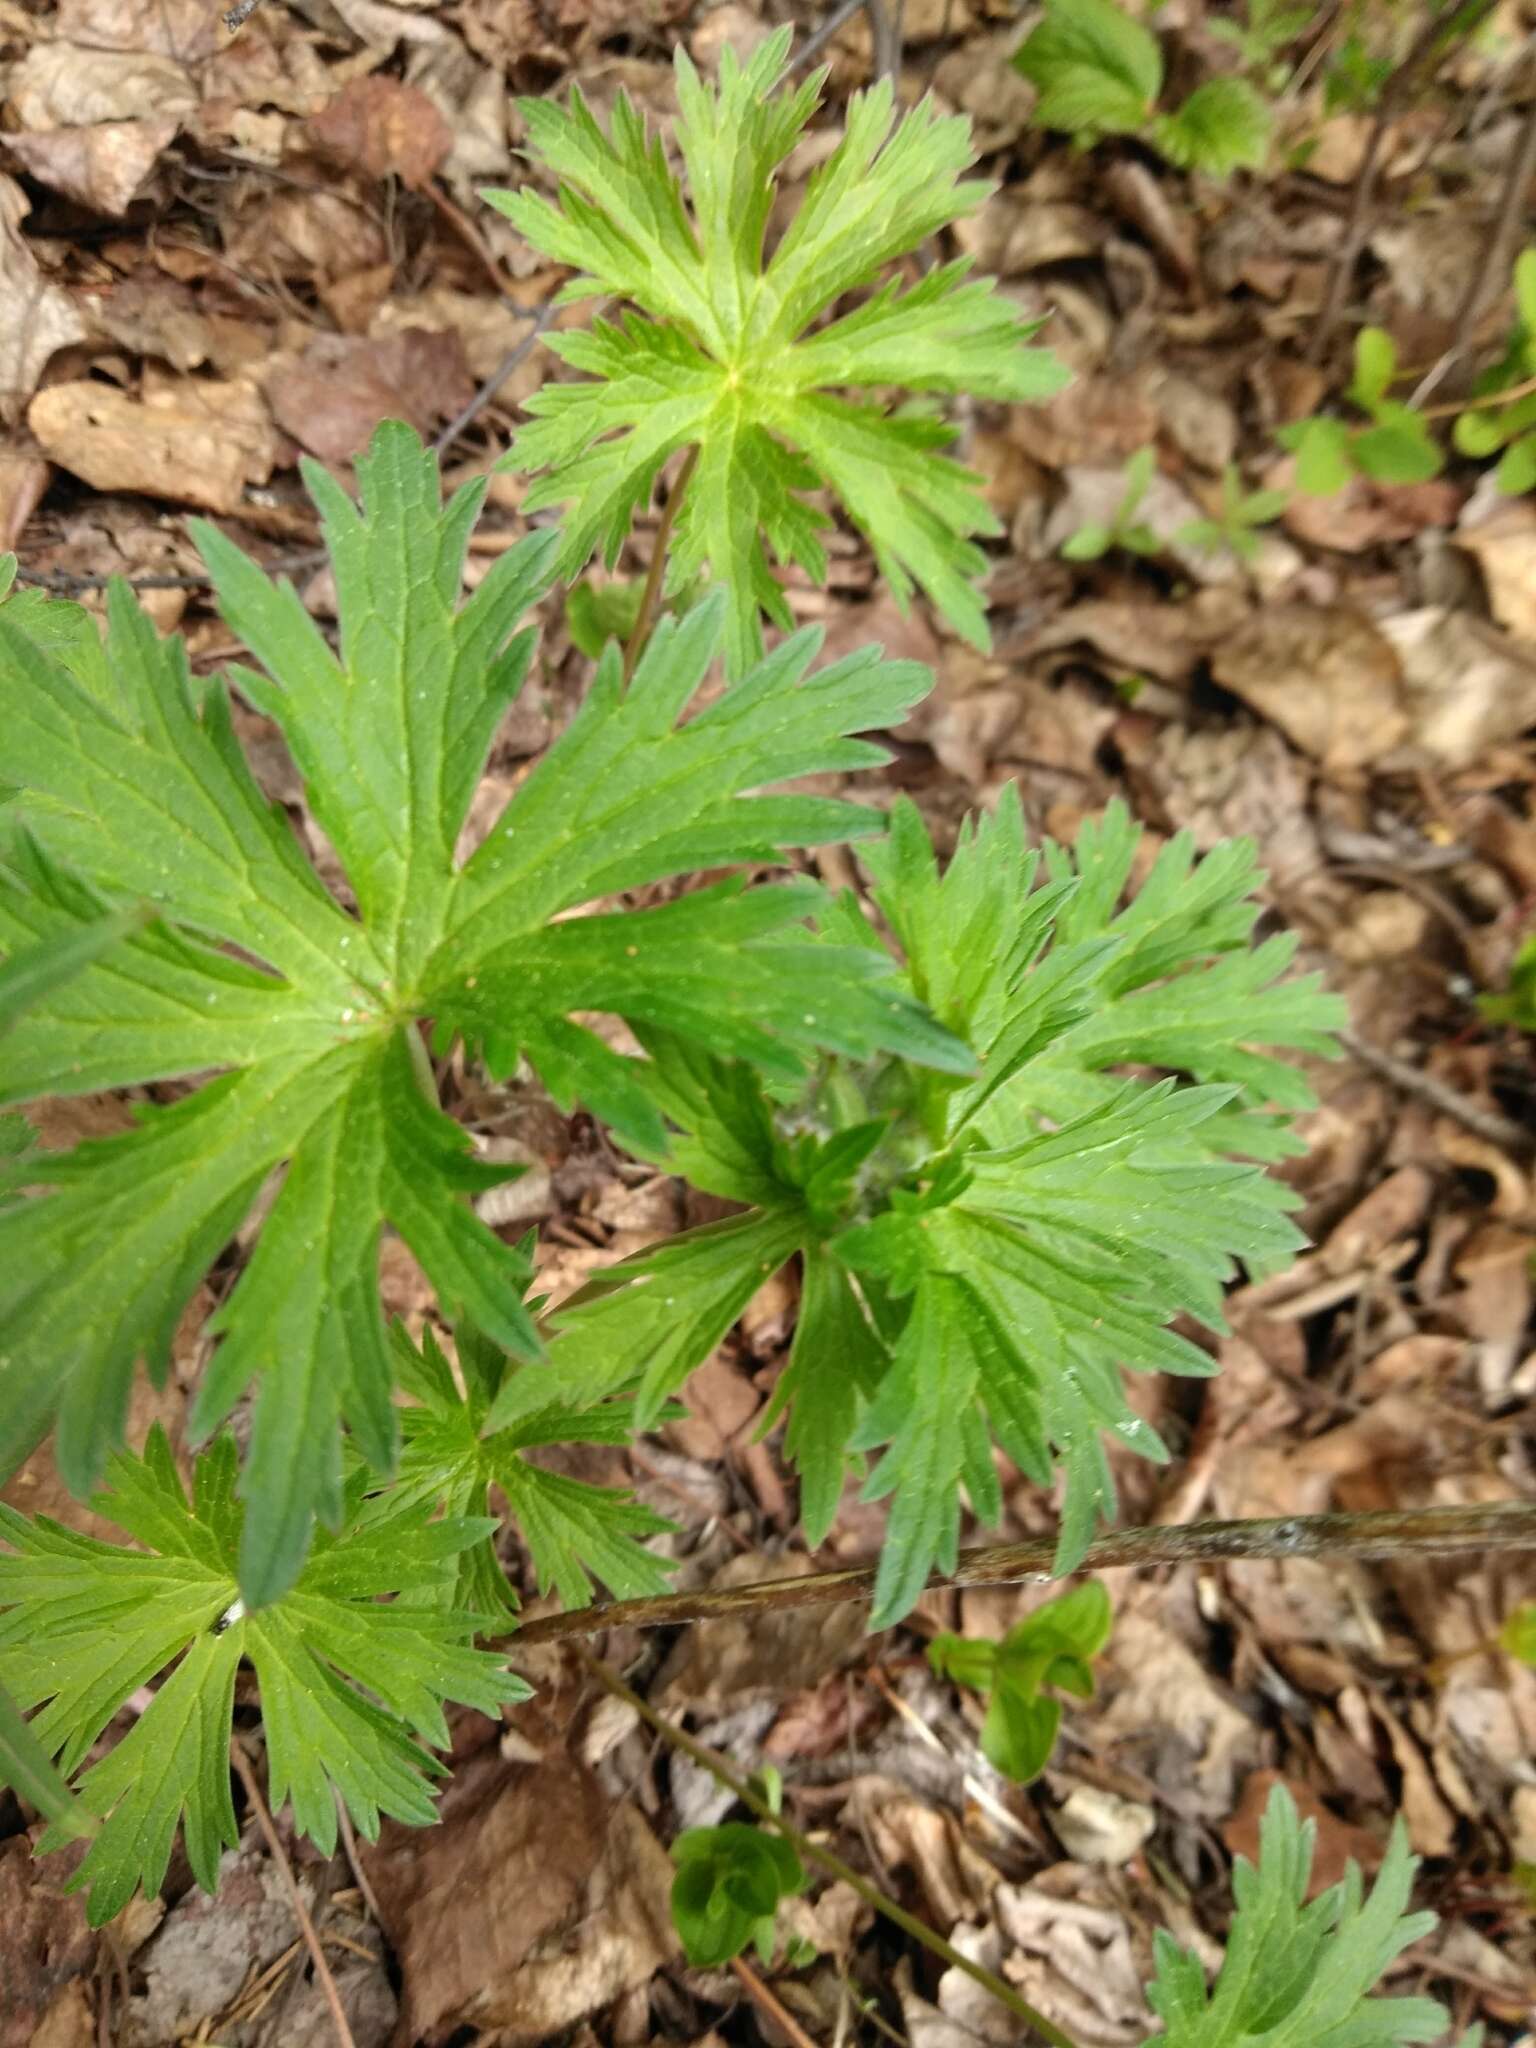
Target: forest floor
pixel 217 253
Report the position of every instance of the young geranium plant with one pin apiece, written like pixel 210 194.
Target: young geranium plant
pixel 1008 1118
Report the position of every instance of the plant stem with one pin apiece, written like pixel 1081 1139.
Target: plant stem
pixel 764 1995
pixel 1435 39
pixel 1495 257
pixel 650 597
pixel 1405 1532
pixel 323 1977
pixel 813 1852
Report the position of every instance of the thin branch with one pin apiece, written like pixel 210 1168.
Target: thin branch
pixel 650 597
pixel 820 37
pixel 323 1977
pixel 540 320
pixel 1487 1124
pixel 1429 47
pixel 1494 260
pixel 1405 1532
pixel 813 1852
pixel 764 1995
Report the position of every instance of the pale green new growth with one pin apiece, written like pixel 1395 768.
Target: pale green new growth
pixel 1297 1975
pixel 350 1688
pixel 725 355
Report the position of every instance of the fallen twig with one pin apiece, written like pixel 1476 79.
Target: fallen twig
pixel 1406 1532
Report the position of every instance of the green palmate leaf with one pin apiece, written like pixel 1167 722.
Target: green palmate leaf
pixel 1097 71
pixel 728 1886
pixel 132 785
pixel 1299 1975
pixel 573 1532
pixel 723 353
pixel 980 1255
pixel 351 1689
pixel 1223 126
pixel 1398 448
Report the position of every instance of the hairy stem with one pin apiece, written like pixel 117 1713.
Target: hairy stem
pixel 834 1866
pixel 1392 1533
pixel 650 597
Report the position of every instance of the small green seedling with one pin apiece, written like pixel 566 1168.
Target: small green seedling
pixel 1262 37
pixel 1518 1635
pixel 1054 1647
pixel 1233 526
pixel 725 1897
pixel 1397 447
pixel 1124 530
pixel 1100 73
pixel 1517 1005
pixel 1484 429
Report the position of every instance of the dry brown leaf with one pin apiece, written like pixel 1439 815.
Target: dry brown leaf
pixel 23 480
pixel 195 441
pixel 1467 689
pixel 1013 233
pixel 1364 514
pixel 1168 1714
pixel 738 1660
pixel 44 1941
pixel 187 30
pixel 1338 1843
pixel 383 129
pixel 955 1879
pixel 1503 541
pixel 103 166
pixel 152 315
pixel 332 397
pixel 60 85
pixel 1097 1826
pixel 206 1948
pixel 1096 419
pixel 1076 1955
pixel 40 317
pixel 1324 675
pixel 534 1902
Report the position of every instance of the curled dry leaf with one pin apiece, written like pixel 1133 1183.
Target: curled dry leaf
pixel 59 85
pixel 1502 539
pixel 332 397
pixel 23 480
pixel 384 129
pixel 195 441
pixel 1324 675
pixel 40 316
pixel 103 167
pixel 187 30
pixel 1466 687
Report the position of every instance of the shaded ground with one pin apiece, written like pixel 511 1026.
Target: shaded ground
pixel 214 254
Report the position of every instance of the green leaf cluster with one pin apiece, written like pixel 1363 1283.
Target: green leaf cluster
pixel 1234 525
pixel 980 1254
pixel 128 786
pixel 729 1883
pixel 1397 445
pixel 726 347
pixel 355 1663
pixel 1487 429
pixel 1299 1975
pixel 1099 72
pixel 1053 1646
pixel 1124 530
pixel 450 1459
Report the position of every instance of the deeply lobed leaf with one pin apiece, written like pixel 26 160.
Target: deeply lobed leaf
pixel 982 1254
pixel 352 1690
pixel 132 796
